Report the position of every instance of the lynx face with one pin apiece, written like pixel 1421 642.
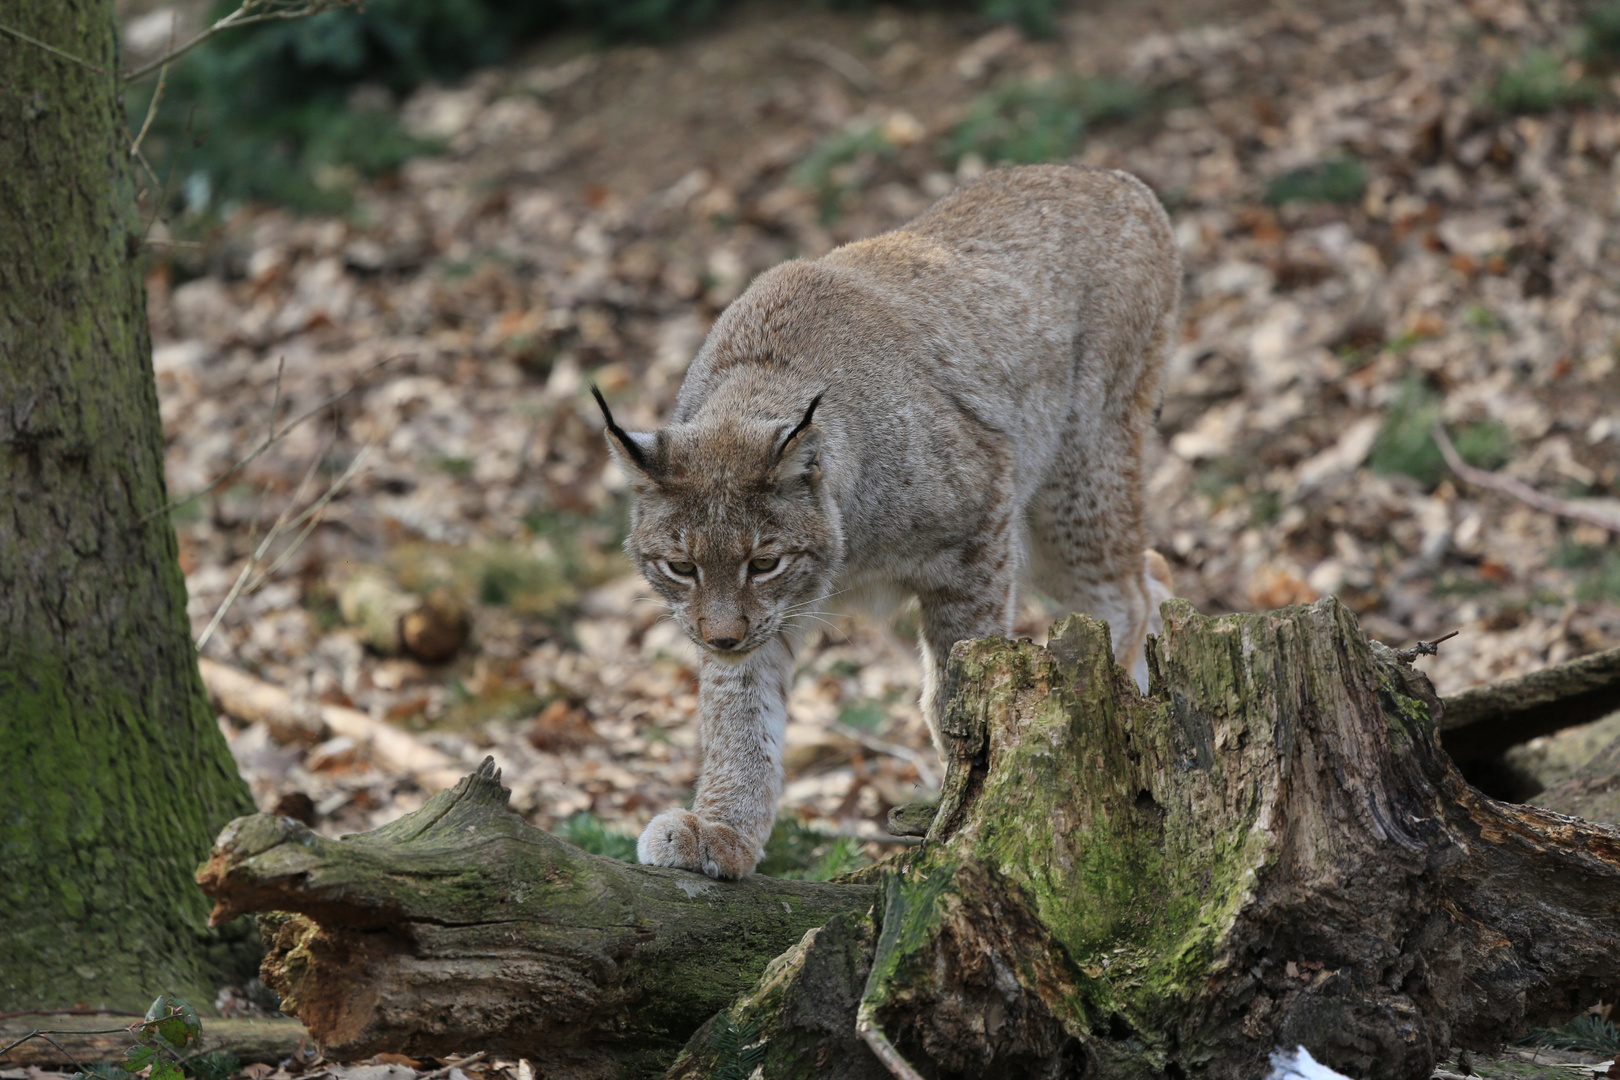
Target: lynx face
pixel 731 526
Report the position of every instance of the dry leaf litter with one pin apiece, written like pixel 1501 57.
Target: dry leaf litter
pixel 593 212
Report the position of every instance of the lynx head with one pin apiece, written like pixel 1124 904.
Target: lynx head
pixel 731 523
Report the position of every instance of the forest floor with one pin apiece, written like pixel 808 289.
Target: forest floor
pixel 1382 226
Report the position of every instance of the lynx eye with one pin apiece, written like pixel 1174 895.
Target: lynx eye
pixel 681 568
pixel 764 564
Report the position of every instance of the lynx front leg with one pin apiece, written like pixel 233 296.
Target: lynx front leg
pixel 744 713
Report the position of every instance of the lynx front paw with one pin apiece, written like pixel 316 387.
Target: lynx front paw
pixel 681 839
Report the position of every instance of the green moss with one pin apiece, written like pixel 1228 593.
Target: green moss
pixel 1337 180
pixel 835 168
pixel 1540 81
pixel 1406 445
pixel 1027 122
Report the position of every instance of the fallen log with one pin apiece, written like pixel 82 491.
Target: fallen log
pixel 236 693
pixel 1269 848
pixel 1483 721
pixel 461 926
pixel 79 1039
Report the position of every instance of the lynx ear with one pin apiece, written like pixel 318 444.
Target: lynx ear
pixel 798 455
pixel 635 452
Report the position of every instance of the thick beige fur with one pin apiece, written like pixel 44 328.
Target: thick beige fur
pixel 982 381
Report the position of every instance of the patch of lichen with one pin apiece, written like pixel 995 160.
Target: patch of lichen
pixel 1087 806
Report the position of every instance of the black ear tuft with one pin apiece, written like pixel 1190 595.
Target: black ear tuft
pixel 630 446
pixel 809 415
pixel 798 455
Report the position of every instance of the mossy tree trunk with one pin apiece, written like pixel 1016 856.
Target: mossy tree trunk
pixel 1268 849
pixel 113 774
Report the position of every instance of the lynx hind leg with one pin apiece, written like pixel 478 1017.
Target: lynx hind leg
pixel 1160 587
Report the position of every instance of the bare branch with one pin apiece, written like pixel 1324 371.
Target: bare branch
pixel 52 49
pixel 246 15
pixel 152 106
pixel 854 72
pixel 309 518
pixel 1526 494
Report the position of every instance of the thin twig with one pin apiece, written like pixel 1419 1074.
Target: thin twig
pixel 68 1012
pixel 871 1034
pixel 1424 648
pixel 36 1034
pixel 856 73
pixel 437 1074
pixel 237 18
pixel 1526 494
pixel 152 106
pixel 275 435
pixel 311 518
pixel 151 111
pixel 19 35
pixel 310 515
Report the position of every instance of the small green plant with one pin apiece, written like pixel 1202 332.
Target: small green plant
pixel 1026 122
pixel 831 169
pixel 1481 318
pixel 1034 17
pixel 864 714
pixel 587 831
pixel 1600 33
pixel 1338 180
pixel 1588 1033
pixel 800 853
pixel 1405 443
pixel 1539 82
pixel 164 1037
pixel 737 1050
pixel 1598 569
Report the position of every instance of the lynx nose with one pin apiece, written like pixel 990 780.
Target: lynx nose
pixel 723 635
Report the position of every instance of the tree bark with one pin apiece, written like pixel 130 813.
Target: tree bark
pixel 114 772
pixel 461 926
pixel 1268 849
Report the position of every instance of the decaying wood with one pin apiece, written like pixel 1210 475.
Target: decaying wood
pixel 1480 723
pixel 236 693
pixel 391 620
pixel 1268 849
pixel 461 926
pixel 87 1040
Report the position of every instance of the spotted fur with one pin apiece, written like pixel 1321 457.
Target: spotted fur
pixel 943 411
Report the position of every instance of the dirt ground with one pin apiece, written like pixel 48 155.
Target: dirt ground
pixel 595 209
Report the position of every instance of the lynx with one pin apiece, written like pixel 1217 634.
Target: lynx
pixel 941 411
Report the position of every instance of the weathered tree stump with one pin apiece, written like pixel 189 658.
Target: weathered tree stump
pixel 1270 848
